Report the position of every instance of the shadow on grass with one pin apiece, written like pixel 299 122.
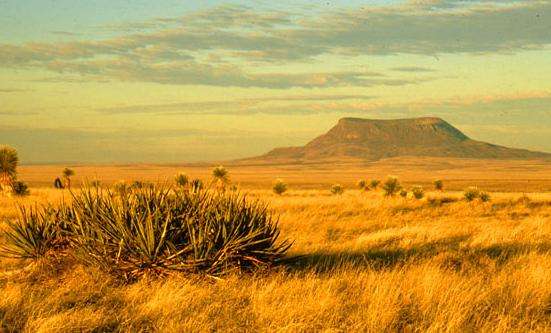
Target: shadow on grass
pixel 447 253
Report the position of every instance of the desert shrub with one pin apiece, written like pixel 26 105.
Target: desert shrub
pixel 471 193
pixel 337 189
pixel 403 193
pixel 19 188
pixel 418 192
pixel 153 231
pixel 374 184
pixel 58 184
pixel 438 185
pixel 196 185
pixel 279 187
pixel 182 180
pixel 362 184
pixel 391 186
pixel 484 196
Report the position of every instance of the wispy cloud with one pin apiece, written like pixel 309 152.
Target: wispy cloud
pixel 181 50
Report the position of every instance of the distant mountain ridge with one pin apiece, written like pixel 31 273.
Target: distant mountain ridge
pixel 374 139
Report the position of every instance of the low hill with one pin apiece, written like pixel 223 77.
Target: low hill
pixel 374 139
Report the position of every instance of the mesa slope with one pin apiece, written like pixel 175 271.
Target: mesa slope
pixel 374 139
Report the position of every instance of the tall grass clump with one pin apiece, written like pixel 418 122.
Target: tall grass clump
pixel 279 187
pixel 155 231
pixel 391 186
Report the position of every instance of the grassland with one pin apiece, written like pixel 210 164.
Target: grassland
pixel 366 263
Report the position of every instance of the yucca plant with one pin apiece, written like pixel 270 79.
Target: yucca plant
pixel 19 188
pixel 484 196
pixel 279 187
pixel 8 166
pixel 182 180
pixel 58 184
pixel 403 193
pixel 221 176
pixel 374 184
pixel 337 189
pixel 362 184
pixel 439 185
pixel 418 192
pixel 121 188
pixel 196 185
pixel 391 186
pixel 67 174
pixel 33 234
pixel 471 193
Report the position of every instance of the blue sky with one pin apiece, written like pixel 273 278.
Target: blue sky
pixel 170 81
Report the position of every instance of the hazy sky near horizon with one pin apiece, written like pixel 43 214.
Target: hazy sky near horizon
pixel 170 81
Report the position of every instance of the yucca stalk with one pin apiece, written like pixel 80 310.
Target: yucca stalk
pixel 8 166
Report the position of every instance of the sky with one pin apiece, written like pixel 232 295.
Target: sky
pixel 167 81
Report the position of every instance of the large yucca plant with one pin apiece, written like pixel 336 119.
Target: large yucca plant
pixel 8 165
pixel 155 230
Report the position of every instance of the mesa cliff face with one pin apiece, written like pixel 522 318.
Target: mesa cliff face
pixel 376 139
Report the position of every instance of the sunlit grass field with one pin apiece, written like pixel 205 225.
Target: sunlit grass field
pixel 360 262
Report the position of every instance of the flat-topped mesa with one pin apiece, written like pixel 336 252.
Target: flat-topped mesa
pixel 373 139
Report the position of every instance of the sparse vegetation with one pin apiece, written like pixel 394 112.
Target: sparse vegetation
pixel 362 184
pixel 439 185
pixel 374 184
pixel 471 193
pixel 391 186
pixel 279 187
pixel 418 192
pixel 403 193
pixel 221 176
pixel 484 196
pixel 196 185
pixel 337 189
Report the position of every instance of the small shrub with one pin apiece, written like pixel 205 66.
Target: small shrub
pixel 362 184
pixel 484 196
pixel 337 189
pixel 19 188
pixel 438 185
pixel 182 180
pixel 403 193
pixel 58 184
pixel 279 187
pixel 391 186
pixel 374 184
pixel 418 192
pixel 471 193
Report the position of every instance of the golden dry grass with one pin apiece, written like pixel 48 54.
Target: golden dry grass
pixel 368 263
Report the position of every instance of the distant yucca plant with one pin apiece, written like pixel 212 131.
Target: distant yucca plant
pixel 438 185
pixel 19 188
pixel 374 184
pixel 95 183
pixel 121 187
pixel 8 166
pixel 279 187
pixel 67 174
pixel 58 184
pixel 196 185
pixel 391 186
pixel 418 192
pixel 484 196
pixel 471 193
pixel 182 180
pixel 403 193
pixel 337 189
pixel 221 176
pixel 362 184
